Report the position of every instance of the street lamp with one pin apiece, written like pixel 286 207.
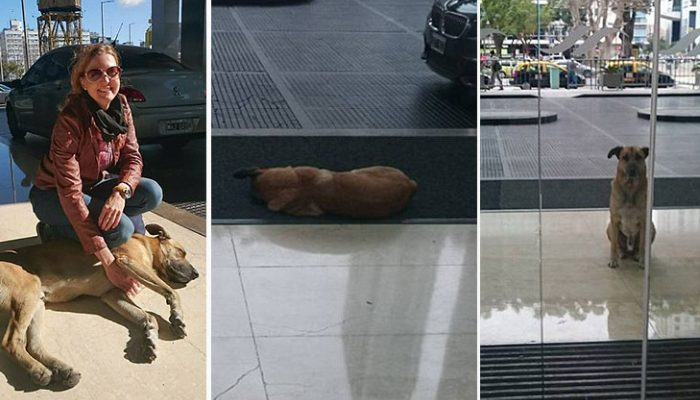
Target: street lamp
pixel 130 42
pixel 26 40
pixel 102 16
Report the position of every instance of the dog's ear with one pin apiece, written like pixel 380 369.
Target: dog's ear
pixel 157 230
pixel 615 151
pixel 246 172
pixel 645 151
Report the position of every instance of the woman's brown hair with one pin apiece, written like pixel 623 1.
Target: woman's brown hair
pixel 82 59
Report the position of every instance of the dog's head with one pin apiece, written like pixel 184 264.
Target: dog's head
pixel 631 166
pixel 173 264
pixel 277 187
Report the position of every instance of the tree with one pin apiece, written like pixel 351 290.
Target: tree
pixel 12 70
pixel 516 17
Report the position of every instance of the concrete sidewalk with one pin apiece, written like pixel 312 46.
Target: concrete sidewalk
pixel 96 341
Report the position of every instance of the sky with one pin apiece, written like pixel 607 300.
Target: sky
pixel 137 12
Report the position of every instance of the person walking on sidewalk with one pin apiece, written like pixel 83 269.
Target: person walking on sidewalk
pixel 496 70
pixel 571 73
pixel 75 196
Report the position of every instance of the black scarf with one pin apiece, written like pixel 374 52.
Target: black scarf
pixel 110 121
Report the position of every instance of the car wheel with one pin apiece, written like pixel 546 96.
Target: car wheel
pixel 15 130
pixel 174 144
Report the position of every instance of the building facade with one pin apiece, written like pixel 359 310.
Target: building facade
pixel 12 43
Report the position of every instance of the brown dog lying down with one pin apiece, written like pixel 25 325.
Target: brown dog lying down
pixel 372 192
pixel 60 271
pixel 628 205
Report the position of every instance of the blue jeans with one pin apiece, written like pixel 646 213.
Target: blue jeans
pixel 146 197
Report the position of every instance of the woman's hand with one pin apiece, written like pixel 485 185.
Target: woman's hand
pixel 111 212
pixel 116 275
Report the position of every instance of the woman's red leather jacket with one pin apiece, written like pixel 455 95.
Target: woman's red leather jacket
pixel 72 164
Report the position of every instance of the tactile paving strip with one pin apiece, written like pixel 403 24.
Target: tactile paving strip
pixel 338 52
pixel 198 208
pixel 245 100
pixel 315 16
pixel 233 54
pixel 491 162
pixel 222 20
pixel 572 167
pixel 375 101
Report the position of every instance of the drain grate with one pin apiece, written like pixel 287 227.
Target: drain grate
pixel 198 208
pixel 602 370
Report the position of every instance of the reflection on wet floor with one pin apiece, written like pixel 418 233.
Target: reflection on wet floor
pixel 18 164
pixel 344 312
pixel 583 299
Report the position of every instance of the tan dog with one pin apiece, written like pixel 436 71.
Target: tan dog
pixel 372 192
pixel 628 201
pixel 60 271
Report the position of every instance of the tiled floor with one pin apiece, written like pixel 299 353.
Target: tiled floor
pixel 344 312
pixel 583 299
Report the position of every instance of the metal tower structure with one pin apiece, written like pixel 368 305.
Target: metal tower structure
pixel 60 24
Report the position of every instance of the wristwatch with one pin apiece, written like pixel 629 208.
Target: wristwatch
pixel 124 190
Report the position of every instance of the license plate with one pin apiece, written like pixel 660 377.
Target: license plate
pixel 178 126
pixel 437 43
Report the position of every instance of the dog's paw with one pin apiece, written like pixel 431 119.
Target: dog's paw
pixel 148 351
pixel 613 264
pixel 41 376
pixel 66 377
pixel 177 325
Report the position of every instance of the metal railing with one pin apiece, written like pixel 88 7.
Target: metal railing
pixel 674 72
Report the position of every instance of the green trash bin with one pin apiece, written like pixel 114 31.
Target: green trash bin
pixel 553 77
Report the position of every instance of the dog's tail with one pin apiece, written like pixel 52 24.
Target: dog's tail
pixel 247 172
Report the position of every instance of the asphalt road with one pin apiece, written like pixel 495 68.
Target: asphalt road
pixel 181 174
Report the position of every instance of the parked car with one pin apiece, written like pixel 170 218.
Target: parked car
pixel 525 75
pixel 4 92
pixel 449 38
pixel 582 69
pixel 167 99
pixel 638 73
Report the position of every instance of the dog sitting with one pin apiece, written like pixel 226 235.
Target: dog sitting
pixel 60 271
pixel 372 192
pixel 628 201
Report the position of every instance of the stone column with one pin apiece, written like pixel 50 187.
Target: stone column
pixel 165 27
pixel 193 34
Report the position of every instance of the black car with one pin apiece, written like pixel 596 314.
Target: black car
pixel 167 99
pixel 450 45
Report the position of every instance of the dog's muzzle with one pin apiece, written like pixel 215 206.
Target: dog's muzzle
pixel 181 272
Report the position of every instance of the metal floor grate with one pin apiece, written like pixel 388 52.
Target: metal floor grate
pixel 198 208
pixel 603 370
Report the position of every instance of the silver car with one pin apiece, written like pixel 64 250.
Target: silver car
pixel 4 92
pixel 167 99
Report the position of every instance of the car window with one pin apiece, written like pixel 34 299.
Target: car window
pixel 149 60
pixel 56 68
pixel 35 73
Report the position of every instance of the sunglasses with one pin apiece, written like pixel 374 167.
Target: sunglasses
pixel 96 74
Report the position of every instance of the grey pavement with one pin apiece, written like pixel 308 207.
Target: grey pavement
pixel 330 65
pixel 574 151
pixel 576 145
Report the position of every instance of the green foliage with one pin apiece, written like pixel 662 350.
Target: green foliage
pixel 696 68
pixel 12 70
pixel 612 68
pixel 516 18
